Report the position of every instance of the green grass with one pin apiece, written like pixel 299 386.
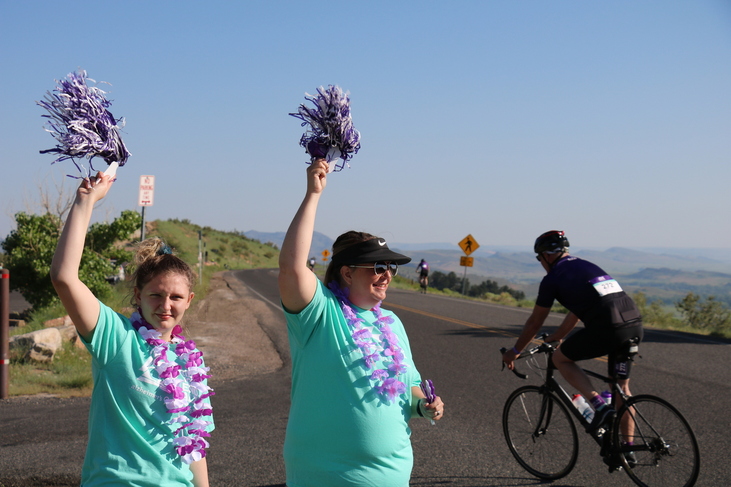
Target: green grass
pixel 70 372
pixel 68 375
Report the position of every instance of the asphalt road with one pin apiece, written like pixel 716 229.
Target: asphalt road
pixel 455 343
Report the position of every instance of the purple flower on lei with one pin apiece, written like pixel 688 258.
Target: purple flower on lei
pixel 187 438
pixel 394 352
pixel 397 368
pixel 379 375
pixel 373 350
pixel 392 387
pixel 190 448
pixel 362 334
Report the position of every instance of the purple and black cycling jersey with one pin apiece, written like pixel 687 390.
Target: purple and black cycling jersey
pixel 587 291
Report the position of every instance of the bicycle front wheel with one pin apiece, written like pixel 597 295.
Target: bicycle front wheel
pixel 540 433
pixel 664 451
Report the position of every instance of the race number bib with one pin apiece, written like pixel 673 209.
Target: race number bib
pixel 605 285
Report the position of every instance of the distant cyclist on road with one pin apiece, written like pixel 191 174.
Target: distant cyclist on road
pixel 612 322
pixel 423 270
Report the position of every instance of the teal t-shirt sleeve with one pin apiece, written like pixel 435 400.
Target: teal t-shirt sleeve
pixel 303 324
pixel 109 334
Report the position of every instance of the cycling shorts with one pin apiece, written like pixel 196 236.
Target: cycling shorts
pixel 614 342
pixel 424 272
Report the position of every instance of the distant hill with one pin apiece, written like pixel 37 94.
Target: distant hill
pixel 623 260
pixel 320 241
pixel 670 285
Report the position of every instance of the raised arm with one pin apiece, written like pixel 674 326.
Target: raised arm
pixel 297 283
pixel 81 305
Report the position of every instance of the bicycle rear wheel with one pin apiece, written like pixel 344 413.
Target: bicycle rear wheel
pixel 664 446
pixel 540 433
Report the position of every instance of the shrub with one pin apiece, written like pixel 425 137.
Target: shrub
pixel 708 315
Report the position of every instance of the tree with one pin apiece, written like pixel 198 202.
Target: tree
pixel 30 248
pixel 653 312
pixel 441 281
pixel 492 287
pixel 709 315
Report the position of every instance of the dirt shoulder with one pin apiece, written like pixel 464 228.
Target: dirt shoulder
pixel 226 326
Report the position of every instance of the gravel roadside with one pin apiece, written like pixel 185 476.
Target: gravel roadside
pixel 226 326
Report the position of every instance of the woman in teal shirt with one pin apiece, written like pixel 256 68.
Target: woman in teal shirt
pixel 150 410
pixel 354 383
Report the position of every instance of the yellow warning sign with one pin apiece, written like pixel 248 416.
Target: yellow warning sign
pixel 468 244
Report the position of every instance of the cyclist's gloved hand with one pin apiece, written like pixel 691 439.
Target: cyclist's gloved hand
pixel 509 357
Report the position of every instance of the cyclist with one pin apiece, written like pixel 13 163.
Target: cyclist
pixel 612 322
pixel 311 264
pixel 423 270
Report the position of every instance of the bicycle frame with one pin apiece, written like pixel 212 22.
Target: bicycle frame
pixel 552 385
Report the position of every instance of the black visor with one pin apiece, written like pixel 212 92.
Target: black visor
pixel 373 250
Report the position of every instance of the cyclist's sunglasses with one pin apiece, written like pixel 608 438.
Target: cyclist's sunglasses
pixel 380 267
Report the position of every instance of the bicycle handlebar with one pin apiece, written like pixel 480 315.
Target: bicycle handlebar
pixel 544 347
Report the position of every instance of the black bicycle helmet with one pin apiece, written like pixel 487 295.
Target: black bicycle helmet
pixel 553 241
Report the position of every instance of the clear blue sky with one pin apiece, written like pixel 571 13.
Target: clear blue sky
pixel 610 120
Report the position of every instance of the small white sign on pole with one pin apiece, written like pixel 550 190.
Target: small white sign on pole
pixel 147 190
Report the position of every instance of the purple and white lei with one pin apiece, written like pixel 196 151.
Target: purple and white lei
pixel 79 120
pixel 189 427
pixel 386 382
pixel 330 133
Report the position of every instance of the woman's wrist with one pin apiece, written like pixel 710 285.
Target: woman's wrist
pixel 418 409
pixel 516 351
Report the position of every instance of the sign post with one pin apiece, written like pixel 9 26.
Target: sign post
pixel 4 333
pixel 468 245
pixel 146 197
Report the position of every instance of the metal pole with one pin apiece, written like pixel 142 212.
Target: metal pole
pixel 142 230
pixel 4 332
pixel 464 280
pixel 200 257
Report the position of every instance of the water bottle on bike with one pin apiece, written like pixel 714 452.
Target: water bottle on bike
pixel 580 403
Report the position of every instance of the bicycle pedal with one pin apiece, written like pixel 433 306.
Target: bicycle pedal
pixel 611 464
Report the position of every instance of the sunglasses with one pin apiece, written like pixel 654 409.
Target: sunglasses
pixel 380 267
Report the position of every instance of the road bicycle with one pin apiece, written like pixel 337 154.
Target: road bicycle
pixel 542 437
pixel 423 282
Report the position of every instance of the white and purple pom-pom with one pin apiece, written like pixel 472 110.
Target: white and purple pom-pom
pixel 79 120
pixel 427 387
pixel 330 133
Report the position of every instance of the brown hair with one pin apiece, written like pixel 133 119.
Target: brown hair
pixel 341 243
pixel 153 258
